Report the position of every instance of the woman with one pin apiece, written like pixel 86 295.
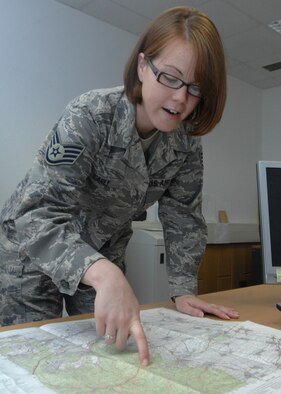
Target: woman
pixel 112 154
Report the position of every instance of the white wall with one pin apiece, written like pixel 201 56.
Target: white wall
pixel 271 125
pixel 231 151
pixel 49 54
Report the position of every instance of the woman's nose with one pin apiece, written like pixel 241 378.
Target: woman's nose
pixel 181 94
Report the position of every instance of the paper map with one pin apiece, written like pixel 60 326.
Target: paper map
pixel 188 355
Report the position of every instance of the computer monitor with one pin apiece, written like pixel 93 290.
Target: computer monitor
pixel 269 193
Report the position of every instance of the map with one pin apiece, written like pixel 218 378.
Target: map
pixel 188 355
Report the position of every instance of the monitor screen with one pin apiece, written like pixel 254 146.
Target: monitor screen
pixel 269 192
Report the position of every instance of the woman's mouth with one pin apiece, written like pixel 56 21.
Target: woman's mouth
pixel 171 111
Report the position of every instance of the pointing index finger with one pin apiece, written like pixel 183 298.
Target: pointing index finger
pixel 136 330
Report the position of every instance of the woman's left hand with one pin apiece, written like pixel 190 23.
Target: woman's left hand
pixel 195 307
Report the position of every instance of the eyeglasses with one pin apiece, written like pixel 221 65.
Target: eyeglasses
pixel 172 82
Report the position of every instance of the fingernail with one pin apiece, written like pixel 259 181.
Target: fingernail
pixel 145 362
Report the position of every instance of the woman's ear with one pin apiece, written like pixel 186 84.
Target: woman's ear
pixel 141 65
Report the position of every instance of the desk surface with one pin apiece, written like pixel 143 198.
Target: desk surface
pixel 222 364
pixel 255 303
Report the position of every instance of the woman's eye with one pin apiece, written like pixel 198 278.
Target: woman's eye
pixel 194 89
pixel 170 80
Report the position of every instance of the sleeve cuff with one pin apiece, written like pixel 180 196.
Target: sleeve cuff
pixel 182 286
pixel 69 273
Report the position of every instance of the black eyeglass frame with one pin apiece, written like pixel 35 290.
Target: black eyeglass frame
pixel 158 74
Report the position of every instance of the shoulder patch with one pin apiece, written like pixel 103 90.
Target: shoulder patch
pixel 58 153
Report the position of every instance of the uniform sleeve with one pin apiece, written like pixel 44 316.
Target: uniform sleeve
pixel 185 231
pixel 49 222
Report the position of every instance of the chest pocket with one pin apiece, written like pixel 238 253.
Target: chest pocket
pixel 110 168
pixel 113 182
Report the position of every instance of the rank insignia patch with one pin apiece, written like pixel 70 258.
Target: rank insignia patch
pixel 58 153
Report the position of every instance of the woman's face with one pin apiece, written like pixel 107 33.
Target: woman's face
pixel 162 107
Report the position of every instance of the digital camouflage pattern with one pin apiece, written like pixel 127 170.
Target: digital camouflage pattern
pixel 89 180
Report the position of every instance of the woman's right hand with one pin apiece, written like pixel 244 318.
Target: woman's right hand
pixel 117 310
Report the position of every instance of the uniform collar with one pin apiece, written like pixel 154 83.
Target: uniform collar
pixel 123 131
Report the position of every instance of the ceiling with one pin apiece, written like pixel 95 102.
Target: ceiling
pixel 249 43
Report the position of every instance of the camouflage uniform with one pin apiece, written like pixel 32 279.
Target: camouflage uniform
pixel 89 180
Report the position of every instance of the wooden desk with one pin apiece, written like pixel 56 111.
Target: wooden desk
pixel 255 303
pixel 165 304
pixel 42 356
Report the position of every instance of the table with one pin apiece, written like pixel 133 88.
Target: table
pixel 255 303
pixel 199 352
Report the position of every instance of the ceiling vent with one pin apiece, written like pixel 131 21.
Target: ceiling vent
pixel 273 66
pixel 276 26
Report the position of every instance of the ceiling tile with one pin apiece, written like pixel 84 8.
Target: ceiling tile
pixel 117 15
pixel 228 20
pixel 150 9
pixel 231 62
pixel 262 10
pixel 78 4
pixel 264 61
pixel 253 44
pixel 246 73
pixel 249 43
pixel 268 83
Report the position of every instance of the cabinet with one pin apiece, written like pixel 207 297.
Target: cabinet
pixel 146 266
pixel 228 266
pixel 224 265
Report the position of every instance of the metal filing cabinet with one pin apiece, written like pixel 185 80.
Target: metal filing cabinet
pixel 146 265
